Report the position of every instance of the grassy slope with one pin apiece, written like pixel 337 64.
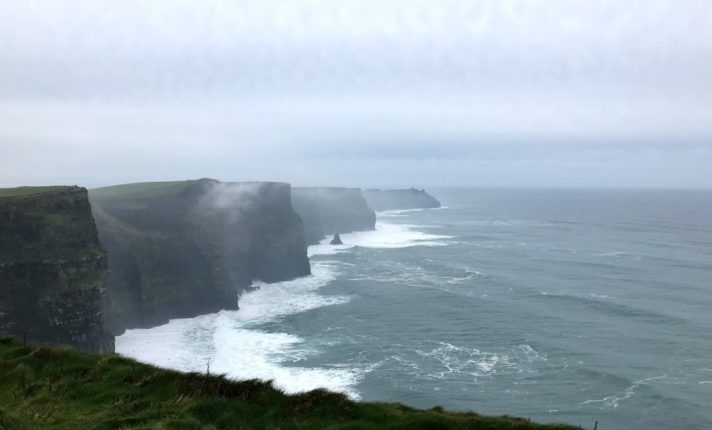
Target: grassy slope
pixel 28 191
pixel 141 189
pixel 133 195
pixel 43 387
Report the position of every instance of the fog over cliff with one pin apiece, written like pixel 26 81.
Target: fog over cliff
pixel 358 93
pixel 238 197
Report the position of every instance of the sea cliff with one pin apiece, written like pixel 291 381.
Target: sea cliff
pixel 182 249
pixel 386 200
pixel 175 249
pixel 328 210
pixel 52 268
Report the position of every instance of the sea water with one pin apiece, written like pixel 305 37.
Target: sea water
pixel 562 306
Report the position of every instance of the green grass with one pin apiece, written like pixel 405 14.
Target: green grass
pixel 53 388
pixel 29 191
pixel 142 189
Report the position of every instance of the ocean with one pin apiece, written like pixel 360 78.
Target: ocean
pixel 563 306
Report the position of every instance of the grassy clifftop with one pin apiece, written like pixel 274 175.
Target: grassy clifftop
pixel 43 387
pixel 29 191
pixel 144 189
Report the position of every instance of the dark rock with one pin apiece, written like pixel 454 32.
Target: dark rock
pixel 181 249
pixel 386 200
pixel 336 240
pixel 52 268
pixel 326 211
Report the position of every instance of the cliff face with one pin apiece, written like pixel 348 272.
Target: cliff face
pixel 386 200
pixel 52 268
pixel 326 211
pixel 181 249
pixel 277 247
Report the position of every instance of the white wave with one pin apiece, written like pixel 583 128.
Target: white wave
pixel 459 360
pixel 611 254
pixel 246 354
pixel 600 296
pixel 230 344
pixel 614 400
pixel 272 301
pixel 397 212
pixel 469 274
pixel 496 223
pixel 593 296
pixel 182 344
pixel 386 235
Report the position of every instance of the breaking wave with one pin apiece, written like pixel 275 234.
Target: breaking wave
pixel 234 343
pixel 231 343
pixel 386 235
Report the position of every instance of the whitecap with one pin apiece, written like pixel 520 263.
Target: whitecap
pixel 600 296
pixel 614 400
pixel 397 212
pixel 458 360
pixel 230 342
pixel 386 235
pixel 325 248
pixel 612 254
pixel 469 274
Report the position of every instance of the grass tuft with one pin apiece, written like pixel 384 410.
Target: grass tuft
pixel 59 388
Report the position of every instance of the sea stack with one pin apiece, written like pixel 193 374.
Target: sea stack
pixel 326 211
pixel 336 240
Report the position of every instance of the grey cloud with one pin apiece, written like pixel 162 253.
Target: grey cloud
pixel 448 91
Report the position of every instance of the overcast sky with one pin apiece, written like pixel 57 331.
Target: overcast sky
pixel 360 93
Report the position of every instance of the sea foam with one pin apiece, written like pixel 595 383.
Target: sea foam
pixel 386 235
pixel 231 343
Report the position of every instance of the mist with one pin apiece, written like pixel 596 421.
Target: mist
pixel 358 93
pixel 238 197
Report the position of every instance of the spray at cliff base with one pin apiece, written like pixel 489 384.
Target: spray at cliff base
pixel 240 344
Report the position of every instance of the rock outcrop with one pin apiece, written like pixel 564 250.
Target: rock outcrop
pixel 52 268
pixel 326 211
pixel 182 249
pixel 386 200
pixel 336 240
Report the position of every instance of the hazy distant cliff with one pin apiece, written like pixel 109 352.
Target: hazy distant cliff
pixel 326 211
pixel 385 200
pixel 181 249
pixel 52 268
